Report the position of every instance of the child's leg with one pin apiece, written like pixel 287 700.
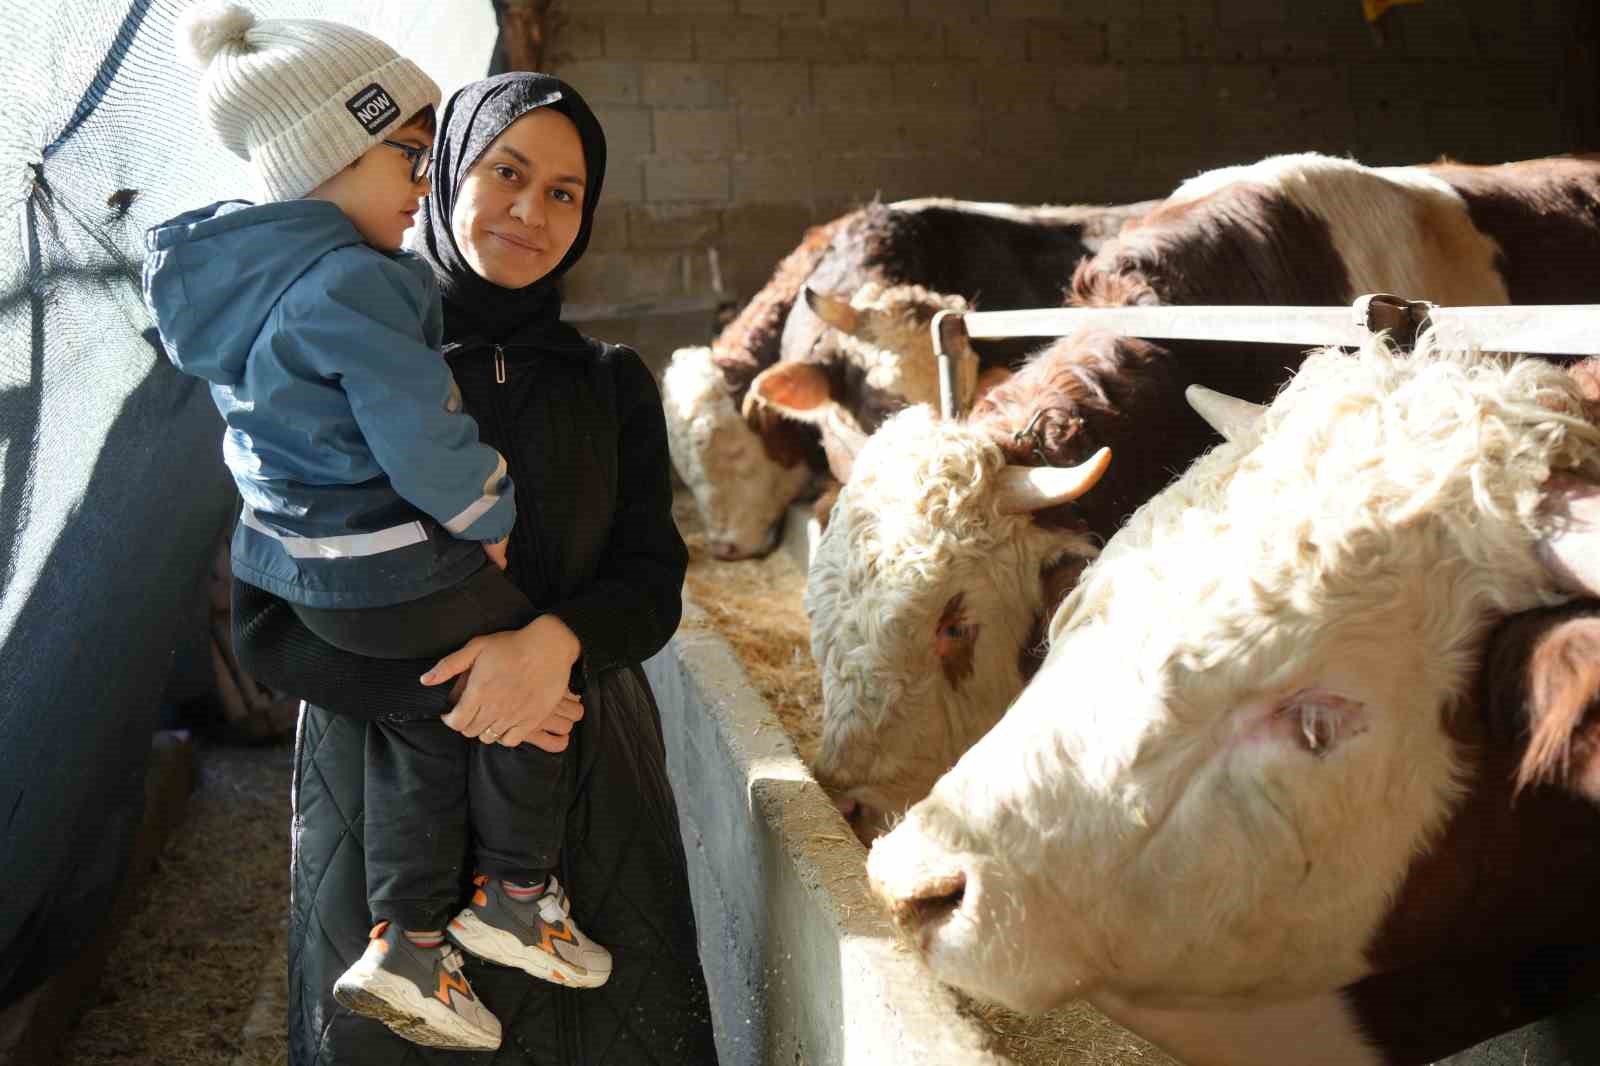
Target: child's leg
pixel 415 827
pixel 415 804
pixel 430 627
pixel 519 916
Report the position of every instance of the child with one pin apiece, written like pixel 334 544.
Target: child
pixel 370 505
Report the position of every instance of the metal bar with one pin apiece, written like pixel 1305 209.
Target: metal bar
pixel 1572 329
pixel 1552 329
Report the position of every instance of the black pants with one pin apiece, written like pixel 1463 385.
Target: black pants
pixel 433 797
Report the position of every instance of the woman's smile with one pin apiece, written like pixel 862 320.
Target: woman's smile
pixel 520 242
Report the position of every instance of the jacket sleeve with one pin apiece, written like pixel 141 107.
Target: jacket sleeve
pixel 631 608
pixel 361 324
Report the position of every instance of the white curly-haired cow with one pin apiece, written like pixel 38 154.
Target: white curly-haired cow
pixel 1201 810
pixel 902 693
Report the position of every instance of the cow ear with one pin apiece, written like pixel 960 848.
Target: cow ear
pixel 1313 720
pixel 834 311
pixel 799 391
pixel 1571 550
pixel 1561 683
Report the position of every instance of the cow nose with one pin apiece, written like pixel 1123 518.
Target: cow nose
pixel 921 901
pixel 726 549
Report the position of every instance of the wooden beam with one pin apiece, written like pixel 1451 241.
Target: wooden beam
pixel 522 33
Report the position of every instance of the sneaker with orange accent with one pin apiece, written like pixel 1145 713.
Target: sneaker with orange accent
pixel 420 993
pixel 538 937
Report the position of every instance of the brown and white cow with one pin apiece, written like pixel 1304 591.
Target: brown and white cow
pixel 1250 773
pixel 1289 230
pixel 744 477
pixel 736 476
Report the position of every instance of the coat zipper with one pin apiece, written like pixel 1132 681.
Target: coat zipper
pixel 499 365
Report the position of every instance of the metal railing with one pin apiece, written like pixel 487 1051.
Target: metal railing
pixel 1546 329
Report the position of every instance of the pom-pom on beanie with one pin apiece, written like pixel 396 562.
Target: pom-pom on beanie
pixel 300 99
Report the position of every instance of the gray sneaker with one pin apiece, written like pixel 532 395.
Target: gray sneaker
pixel 420 993
pixel 540 939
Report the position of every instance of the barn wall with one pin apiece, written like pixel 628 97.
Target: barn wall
pixel 735 123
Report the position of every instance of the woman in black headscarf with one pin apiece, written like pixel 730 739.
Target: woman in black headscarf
pixel 518 169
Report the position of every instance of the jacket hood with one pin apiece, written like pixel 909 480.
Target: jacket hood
pixel 213 275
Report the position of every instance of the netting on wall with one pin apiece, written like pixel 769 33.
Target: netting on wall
pixel 111 483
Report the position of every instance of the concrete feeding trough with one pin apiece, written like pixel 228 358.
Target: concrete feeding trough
pixel 803 966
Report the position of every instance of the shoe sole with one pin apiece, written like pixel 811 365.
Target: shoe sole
pixel 496 945
pixel 396 1003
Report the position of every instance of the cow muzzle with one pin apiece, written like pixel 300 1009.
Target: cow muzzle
pixel 922 891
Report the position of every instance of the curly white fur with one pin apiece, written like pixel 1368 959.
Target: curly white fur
pixel 1141 828
pixel 918 524
pixel 207 28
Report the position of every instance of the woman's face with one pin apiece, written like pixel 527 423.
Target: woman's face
pixel 520 206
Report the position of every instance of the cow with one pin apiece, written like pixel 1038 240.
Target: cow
pixel 1252 771
pixel 1303 229
pixel 744 477
pixel 715 453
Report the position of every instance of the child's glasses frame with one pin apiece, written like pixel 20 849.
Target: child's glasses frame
pixel 421 159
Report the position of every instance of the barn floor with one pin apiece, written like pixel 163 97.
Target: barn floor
pixel 180 984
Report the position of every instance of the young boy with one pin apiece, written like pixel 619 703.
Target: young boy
pixel 370 505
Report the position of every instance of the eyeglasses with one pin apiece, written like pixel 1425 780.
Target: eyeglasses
pixel 421 159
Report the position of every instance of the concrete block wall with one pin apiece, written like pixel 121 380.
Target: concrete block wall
pixel 733 124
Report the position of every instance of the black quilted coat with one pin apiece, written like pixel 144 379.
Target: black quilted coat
pixel 582 432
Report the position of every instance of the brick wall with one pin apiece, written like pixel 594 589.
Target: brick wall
pixel 734 123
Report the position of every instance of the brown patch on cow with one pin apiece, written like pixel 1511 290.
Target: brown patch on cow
pixel 1513 880
pixel 1244 243
pixel 1057 579
pixel 822 509
pixel 1091 390
pixel 784 442
pixel 955 641
pixel 1545 216
pixel 752 341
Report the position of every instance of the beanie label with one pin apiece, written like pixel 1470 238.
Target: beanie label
pixel 373 107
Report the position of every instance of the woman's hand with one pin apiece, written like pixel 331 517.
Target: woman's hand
pixel 516 685
pixel 496 551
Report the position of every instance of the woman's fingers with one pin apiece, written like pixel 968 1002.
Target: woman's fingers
pixel 466 718
pixel 545 739
pixel 454 663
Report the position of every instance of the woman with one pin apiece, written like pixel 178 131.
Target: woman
pixel 519 163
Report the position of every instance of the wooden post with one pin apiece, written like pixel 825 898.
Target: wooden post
pixel 522 33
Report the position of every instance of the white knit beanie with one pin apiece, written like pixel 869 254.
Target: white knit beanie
pixel 300 99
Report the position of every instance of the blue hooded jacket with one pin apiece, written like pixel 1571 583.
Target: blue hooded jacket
pixel 364 483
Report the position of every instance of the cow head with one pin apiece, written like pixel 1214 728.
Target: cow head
pixel 741 481
pixel 884 347
pixel 928 587
pixel 1236 745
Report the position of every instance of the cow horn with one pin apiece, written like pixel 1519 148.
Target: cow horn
pixel 1228 415
pixel 1571 551
pixel 1026 489
pixel 834 311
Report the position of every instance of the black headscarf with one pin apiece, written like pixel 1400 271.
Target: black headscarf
pixel 475 309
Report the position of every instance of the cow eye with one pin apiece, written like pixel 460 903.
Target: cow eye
pixel 958 632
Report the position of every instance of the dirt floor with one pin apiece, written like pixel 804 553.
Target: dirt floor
pixel 180 983
pixel 755 605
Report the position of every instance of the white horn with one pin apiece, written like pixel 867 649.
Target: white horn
pixel 1228 415
pixel 1026 489
pixel 1571 551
